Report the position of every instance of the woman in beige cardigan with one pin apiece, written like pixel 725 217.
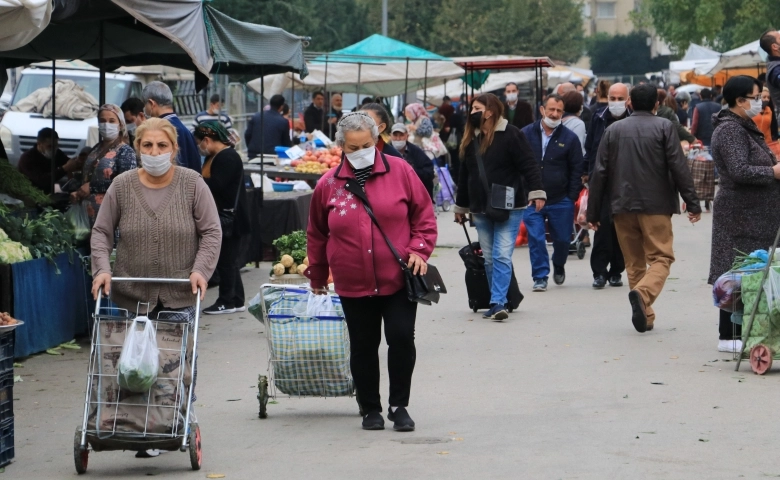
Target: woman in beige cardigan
pixel 168 224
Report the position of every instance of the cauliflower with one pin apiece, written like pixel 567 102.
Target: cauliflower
pixel 3 235
pixel 13 252
pixel 293 268
pixel 279 269
pixel 302 269
pixel 287 261
pixel 306 261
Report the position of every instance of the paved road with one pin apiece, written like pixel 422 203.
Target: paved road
pixel 566 389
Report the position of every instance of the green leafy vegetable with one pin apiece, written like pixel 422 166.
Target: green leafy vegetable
pixel 15 184
pixel 46 236
pixel 293 244
pixel 137 380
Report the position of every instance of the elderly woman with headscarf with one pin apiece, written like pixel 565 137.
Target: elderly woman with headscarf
pixel 109 158
pixel 421 131
pixel 223 172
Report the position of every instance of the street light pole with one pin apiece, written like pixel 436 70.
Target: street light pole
pixel 384 17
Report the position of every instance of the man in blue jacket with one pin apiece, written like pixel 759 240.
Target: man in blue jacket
pixel 606 258
pixel 158 102
pixel 559 154
pixel 273 131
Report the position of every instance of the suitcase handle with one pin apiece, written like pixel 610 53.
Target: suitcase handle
pixel 466 231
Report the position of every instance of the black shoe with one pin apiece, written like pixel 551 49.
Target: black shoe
pixel 373 421
pixel 219 309
pixel 638 313
pixel 615 281
pixel 559 275
pixel 600 281
pixel 402 422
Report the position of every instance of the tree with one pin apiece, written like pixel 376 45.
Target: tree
pixel 627 54
pixel 718 24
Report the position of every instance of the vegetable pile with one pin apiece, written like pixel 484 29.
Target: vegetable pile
pixel 47 236
pixel 139 380
pixel 319 161
pixel 18 186
pixel 292 253
pixel 12 252
pixel 7 320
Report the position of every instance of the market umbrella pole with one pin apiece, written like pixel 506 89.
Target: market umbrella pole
pixel 102 93
pixel 53 121
pixel 325 90
pixel 425 87
pixel 262 127
pixel 406 89
pixel 357 90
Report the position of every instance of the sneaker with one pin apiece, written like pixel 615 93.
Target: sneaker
pixel 496 312
pixel 540 285
pixel 730 346
pixel 638 313
pixel 615 281
pixel 599 281
pixel 373 421
pixel 219 309
pixel 149 453
pixel 559 275
pixel 402 422
pixel 241 309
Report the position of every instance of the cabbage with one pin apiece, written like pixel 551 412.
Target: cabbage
pixel 13 252
pixel 3 235
pixel 138 380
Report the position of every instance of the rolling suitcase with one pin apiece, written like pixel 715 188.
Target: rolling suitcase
pixel 476 279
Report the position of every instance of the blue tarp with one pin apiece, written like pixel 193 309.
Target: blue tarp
pixel 53 306
pixel 370 50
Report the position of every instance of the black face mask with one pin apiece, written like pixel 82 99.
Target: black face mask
pixel 475 119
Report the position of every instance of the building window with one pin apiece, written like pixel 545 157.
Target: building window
pixel 586 10
pixel 605 10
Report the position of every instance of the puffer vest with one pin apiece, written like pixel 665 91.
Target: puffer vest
pixel 774 92
pixel 158 243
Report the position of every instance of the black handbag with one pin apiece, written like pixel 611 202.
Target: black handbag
pixel 227 216
pixel 500 199
pixel 424 289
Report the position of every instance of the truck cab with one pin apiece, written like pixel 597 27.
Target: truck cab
pixel 19 130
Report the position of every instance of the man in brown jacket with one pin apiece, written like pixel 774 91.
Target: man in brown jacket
pixel 641 167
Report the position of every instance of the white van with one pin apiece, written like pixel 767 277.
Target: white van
pixel 19 130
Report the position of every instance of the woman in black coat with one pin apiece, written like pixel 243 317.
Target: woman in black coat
pixel 223 172
pixel 745 215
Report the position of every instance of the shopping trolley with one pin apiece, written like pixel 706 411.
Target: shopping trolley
pixel 117 419
pixel 307 355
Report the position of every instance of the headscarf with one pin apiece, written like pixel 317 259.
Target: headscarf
pixel 214 131
pixel 414 111
pixel 102 148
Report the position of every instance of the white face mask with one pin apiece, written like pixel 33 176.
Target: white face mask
pixel 156 165
pixel 131 128
pixel 551 123
pixel 511 97
pixel 362 158
pixel 617 109
pixel 399 144
pixel 756 106
pixel 108 131
pixel 46 153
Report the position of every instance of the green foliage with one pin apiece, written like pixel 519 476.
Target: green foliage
pixel 718 24
pixel 18 186
pixel 47 236
pixel 627 54
pixel 293 244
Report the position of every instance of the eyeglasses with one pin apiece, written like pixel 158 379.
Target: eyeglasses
pixel 757 97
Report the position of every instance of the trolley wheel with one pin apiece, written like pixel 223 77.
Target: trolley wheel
pixel 262 396
pixel 446 206
pixel 760 359
pixel 80 455
pixel 580 250
pixel 196 450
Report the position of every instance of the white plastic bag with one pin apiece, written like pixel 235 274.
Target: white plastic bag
pixel 140 358
pixel 315 306
pixel 79 219
pixel 772 291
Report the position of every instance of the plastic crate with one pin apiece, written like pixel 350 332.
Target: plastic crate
pixel 6 442
pixel 287 279
pixel 6 396
pixel 6 352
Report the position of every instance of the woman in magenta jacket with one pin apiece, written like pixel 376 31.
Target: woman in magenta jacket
pixel 342 238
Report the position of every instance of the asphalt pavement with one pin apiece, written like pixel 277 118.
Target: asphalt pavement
pixel 565 389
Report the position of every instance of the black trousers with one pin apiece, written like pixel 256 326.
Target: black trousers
pixel 606 258
pixel 728 330
pixel 231 288
pixel 364 321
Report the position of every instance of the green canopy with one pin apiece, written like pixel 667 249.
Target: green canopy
pixel 380 49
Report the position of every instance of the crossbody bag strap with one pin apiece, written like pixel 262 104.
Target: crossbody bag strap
pixel 482 175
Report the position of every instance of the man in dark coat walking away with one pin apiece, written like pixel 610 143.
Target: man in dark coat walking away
pixel 273 131
pixel 640 168
pixel 518 112
pixel 701 124
pixel 559 155
pixel 606 259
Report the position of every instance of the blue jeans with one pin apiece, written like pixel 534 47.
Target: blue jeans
pixel 560 217
pixel 498 243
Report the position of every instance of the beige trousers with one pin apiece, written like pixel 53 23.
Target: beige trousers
pixel 646 242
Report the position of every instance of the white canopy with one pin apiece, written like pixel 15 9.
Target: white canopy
pixel 495 81
pixel 381 80
pixel 21 21
pixel 696 57
pixel 746 56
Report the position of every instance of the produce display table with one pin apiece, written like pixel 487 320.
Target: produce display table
pixel 54 307
pixel 279 172
pixel 272 215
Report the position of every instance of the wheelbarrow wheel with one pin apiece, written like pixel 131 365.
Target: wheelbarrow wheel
pixel 580 250
pixel 262 395
pixel 446 206
pixel 760 359
pixel 80 455
pixel 196 450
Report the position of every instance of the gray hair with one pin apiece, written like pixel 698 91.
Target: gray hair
pixel 356 122
pixel 683 97
pixel 159 92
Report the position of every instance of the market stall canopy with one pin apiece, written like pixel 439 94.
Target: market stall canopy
pixel 575 75
pixel 21 21
pixel 503 62
pixel 695 57
pixel 494 81
pixel 747 56
pixel 377 66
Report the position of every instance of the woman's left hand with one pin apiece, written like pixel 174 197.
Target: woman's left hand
pixel 198 282
pixel 417 265
pixel 538 204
